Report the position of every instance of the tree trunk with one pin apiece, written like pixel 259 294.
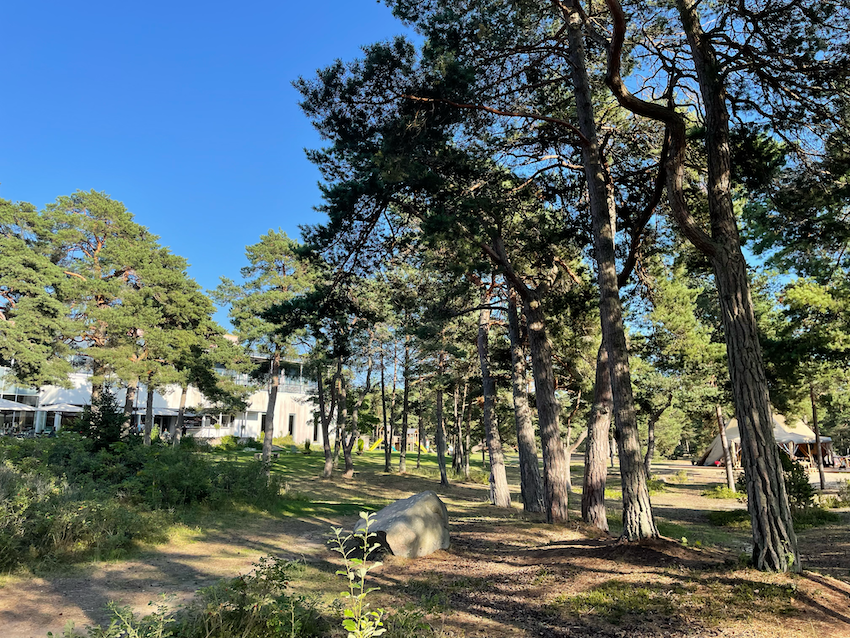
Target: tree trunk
pixel 354 435
pixel 441 434
pixel 596 449
pixel 402 442
pixel 463 447
pixel 501 492
pixel 531 483
pixel 98 376
pixel 130 398
pixel 637 509
pixel 149 411
pixel 727 452
pixel 774 540
pixel 271 408
pixel 555 465
pixel 816 428
pixel 456 458
pixel 468 442
pixel 388 436
pixel 421 424
pixel 341 417
pixel 650 438
pixel 325 413
pixel 178 425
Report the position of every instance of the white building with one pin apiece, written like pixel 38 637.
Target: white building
pixel 293 410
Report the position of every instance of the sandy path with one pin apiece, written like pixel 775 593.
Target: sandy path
pixel 30 607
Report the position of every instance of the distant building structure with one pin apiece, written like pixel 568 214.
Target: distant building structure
pixel 54 405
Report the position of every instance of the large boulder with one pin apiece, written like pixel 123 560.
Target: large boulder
pixel 413 526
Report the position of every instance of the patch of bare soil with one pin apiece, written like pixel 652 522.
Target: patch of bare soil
pixel 501 580
pixel 32 606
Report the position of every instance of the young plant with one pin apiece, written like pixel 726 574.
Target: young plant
pixel 357 620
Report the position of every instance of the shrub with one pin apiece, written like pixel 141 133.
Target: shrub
pixel 259 605
pixel 361 445
pixel 800 492
pixel 229 443
pixel 103 422
pixel 844 492
pixel 307 446
pixel 721 491
pixel 46 519
pixel 253 444
pixel 284 441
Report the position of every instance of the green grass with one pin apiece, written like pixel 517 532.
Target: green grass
pixel 721 492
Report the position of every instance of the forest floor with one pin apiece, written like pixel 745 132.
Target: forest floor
pixel 506 574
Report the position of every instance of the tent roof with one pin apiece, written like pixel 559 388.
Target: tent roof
pixel 5 404
pixel 796 433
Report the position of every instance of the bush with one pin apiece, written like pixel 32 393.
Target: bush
pixel 229 443
pixel 43 519
pixel 253 444
pixel 259 605
pixel 284 441
pixel 800 492
pixel 721 491
pixel 103 422
pixel 307 446
pixel 60 498
pixel 844 492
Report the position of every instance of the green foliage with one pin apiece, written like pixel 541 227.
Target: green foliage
pixel 800 492
pixel 259 605
pixel 358 621
pixel 721 492
pixel 361 445
pixel 103 422
pixel 814 517
pixel 43 520
pixel 254 444
pixel 307 446
pixel 844 492
pixel 63 499
pixel 736 519
pixel 229 443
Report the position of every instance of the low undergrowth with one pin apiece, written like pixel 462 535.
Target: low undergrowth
pixel 705 600
pixel 65 499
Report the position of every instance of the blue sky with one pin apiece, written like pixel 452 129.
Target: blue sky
pixel 182 110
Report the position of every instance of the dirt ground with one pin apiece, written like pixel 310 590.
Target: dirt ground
pixel 506 574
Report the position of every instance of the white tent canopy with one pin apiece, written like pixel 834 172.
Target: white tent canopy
pixel 790 437
pixel 5 404
pixel 61 407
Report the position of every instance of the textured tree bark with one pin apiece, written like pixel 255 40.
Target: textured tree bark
pixel 531 483
pixel 421 424
pixel 402 440
pixel 501 493
pixel 816 428
pixel 441 433
pixel 268 426
pixel 774 540
pixel 638 520
pixel 341 418
pixel 387 434
pixel 130 397
pixel 727 452
pixel 650 438
pixel 555 464
pixel 596 449
pixel 181 410
pixel 149 411
pixel 325 413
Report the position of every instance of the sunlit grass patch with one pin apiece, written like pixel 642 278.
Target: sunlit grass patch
pixel 721 492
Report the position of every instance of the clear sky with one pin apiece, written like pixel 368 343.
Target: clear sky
pixel 183 110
